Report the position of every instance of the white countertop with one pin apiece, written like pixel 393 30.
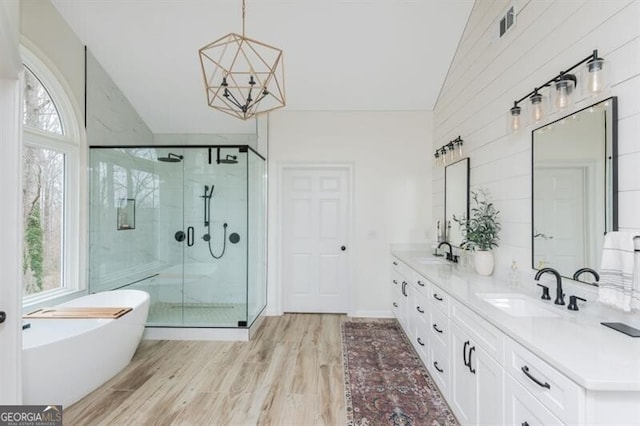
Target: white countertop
pixel 576 344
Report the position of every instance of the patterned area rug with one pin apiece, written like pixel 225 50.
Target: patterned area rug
pixel 385 381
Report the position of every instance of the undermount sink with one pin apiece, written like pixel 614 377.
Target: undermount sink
pixel 517 305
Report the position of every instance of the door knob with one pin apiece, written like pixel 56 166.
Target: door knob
pixel 343 248
pixel 180 236
pixel 3 316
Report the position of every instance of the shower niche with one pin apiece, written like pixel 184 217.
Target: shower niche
pixel 197 244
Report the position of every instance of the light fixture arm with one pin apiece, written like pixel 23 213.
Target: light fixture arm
pixel 561 74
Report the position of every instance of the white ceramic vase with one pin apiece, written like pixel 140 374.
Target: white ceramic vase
pixel 483 261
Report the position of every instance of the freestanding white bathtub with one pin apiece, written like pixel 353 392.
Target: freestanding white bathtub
pixel 65 359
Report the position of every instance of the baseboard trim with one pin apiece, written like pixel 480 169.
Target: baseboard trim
pixel 371 314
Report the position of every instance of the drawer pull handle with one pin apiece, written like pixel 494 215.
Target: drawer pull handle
pixel 395 263
pixel 473 370
pixel 525 370
pixel 420 283
pixel 435 364
pixel 525 423
pixel 395 305
pixel 464 353
pixel 404 283
pixel 395 281
pixel 420 342
pixel 435 327
pixel 420 310
pixel 435 296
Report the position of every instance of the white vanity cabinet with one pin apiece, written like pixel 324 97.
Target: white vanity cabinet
pixel 488 375
pixel 477 374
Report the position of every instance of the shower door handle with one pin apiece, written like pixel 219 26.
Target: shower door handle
pixel 190 236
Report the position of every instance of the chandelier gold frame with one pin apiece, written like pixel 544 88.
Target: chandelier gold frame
pixel 243 77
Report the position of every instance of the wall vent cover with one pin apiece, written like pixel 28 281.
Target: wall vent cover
pixel 507 21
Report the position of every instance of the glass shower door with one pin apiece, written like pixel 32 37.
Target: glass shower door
pixel 215 254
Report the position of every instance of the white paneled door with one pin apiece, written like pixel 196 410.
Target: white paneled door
pixel 314 234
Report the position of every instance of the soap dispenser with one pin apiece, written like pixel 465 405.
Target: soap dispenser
pixel 514 275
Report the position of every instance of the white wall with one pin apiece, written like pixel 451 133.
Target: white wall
pixel 389 152
pixel 488 74
pixel 111 119
pixel 43 27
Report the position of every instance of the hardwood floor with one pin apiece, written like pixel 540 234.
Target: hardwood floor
pixel 291 373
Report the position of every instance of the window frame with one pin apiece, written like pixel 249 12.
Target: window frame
pixel 68 144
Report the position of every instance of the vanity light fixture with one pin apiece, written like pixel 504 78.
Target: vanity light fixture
pixel 564 84
pixel 537 106
pixel 242 76
pixel 449 152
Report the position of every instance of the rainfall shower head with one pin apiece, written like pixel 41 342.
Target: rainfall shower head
pixel 229 159
pixel 171 158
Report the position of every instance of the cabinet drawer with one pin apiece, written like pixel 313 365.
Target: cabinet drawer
pixel 484 334
pixel 395 302
pixel 396 279
pixel 401 268
pixel 422 284
pixel 439 299
pixel 421 307
pixel 522 408
pixel 563 397
pixel 421 339
pixel 439 366
pixel 439 326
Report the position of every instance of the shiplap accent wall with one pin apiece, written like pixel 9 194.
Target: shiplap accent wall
pixel 488 73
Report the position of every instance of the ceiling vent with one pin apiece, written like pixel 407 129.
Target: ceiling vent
pixel 507 21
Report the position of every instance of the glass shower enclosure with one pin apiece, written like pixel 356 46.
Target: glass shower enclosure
pixel 185 224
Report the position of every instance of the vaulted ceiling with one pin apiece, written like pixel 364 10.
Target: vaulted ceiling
pixel 339 55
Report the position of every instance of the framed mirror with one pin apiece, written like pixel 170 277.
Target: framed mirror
pixel 456 198
pixel 574 189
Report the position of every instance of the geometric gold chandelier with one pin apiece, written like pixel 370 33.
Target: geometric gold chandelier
pixel 243 77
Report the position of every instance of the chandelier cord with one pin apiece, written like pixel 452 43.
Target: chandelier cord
pixel 243 12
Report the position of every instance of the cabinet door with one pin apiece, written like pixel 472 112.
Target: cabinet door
pixel 489 387
pixel 405 306
pixel 476 394
pixel 463 382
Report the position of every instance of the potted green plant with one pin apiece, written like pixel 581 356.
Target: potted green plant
pixel 480 231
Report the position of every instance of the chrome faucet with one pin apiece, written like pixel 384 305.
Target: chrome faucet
pixel 450 255
pixel 559 294
pixel 583 270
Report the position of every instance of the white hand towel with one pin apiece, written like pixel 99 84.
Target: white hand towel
pixel 635 291
pixel 616 271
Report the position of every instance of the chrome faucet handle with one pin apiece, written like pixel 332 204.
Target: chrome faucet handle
pixel 573 305
pixel 545 292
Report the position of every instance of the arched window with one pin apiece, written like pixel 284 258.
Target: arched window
pixel 49 185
